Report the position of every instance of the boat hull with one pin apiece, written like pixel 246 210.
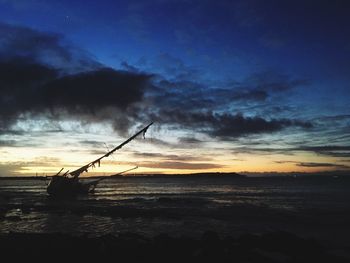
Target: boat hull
pixel 65 186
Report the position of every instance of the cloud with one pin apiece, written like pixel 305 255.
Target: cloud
pixel 16 168
pixel 31 85
pixel 180 165
pixel 90 91
pixel 316 164
pixel 332 165
pixel 87 95
pixel 272 81
pixel 97 152
pixel 26 42
pixel 43 48
pixel 9 169
pixel 174 68
pixel 189 140
pixel 125 65
pixel 325 148
pixel 254 150
pixel 92 143
pixel 333 118
pixel 34 87
pixel 329 150
pixel 185 95
pixel 190 102
pixel 18 71
pixel 260 92
pixel 41 76
pixel 171 157
pixel 10 131
pixel 227 125
pixel 8 143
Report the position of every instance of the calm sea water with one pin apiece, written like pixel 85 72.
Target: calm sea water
pixel 317 207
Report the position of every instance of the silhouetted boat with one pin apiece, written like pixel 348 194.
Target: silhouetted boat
pixel 68 184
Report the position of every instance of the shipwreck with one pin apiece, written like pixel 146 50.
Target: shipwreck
pixel 68 183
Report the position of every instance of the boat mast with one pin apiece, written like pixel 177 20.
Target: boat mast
pixel 85 168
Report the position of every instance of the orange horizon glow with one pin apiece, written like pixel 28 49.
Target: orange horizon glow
pixel 53 152
pixel 29 164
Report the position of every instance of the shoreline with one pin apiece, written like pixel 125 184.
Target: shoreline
pixel 214 175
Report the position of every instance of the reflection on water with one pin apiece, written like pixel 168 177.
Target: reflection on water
pixel 177 205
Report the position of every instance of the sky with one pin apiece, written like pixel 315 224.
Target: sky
pixel 231 86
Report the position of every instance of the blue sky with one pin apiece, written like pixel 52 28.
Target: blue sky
pixel 247 81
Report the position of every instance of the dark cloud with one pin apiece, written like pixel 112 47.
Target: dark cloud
pixel 160 143
pixel 185 95
pixel 10 131
pixel 26 42
pixel 18 143
pixel 180 165
pixel 148 155
pixel 227 125
pixel 18 72
pixel 32 86
pixel 331 165
pixel 334 118
pixel 337 154
pixel 254 95
pixel 19 83
pixel 189 140
pixel 126 66
pixel 260 93
pixel 43 48
pixel 171 157
pixel 90 91
pixel 316 165
pixel 173 67
pixel 271 81
pixel 92 143
pixel 282 162
pixel 8 143
pixel 264 151
pixel 329 150
pixel 190 94
pixel 97 152
pixel 180 102
pixel 83 95
pixel 326 148
pixel 236 94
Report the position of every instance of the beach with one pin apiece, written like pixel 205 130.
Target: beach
pixel 266 217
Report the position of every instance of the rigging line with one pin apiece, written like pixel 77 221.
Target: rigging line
pixel 106 146
pixel 108 150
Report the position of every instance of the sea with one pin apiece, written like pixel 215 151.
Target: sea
pixel 312 207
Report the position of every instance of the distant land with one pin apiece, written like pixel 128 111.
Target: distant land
pixel 215 174
pixel 335 174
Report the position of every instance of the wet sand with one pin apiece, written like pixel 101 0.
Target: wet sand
pixel 243 220
pixel 269 247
